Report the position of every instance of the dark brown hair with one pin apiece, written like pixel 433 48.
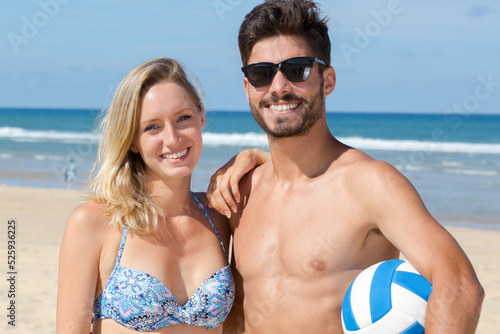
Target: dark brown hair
pixel 285 17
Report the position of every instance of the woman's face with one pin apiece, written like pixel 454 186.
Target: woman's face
pixel 168 135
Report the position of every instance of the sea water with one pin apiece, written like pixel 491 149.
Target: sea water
pixel 453 160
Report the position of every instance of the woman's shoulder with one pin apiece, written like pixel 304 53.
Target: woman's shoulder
pixel 89 213
pixel 220 221
pixel 202 198
pixel 88 220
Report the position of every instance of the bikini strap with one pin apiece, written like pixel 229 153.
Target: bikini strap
pixel 122 246
pixel 211 222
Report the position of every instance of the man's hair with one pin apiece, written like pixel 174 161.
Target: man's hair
pixel 285 17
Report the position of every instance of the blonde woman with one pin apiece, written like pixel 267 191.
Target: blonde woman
pixel 146 254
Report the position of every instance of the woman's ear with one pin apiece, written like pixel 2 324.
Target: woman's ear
pixel 202 115
pixel 133 148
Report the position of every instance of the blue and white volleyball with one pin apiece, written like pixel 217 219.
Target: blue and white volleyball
pixel 387 298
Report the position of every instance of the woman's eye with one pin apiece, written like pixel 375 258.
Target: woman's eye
pixel 150 128
pixel 184 118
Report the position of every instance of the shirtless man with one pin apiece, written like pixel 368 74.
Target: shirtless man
pixel 319 212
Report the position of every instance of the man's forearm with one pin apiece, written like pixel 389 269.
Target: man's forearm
pixel 454 308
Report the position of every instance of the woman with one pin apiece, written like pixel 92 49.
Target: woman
pixel 146 254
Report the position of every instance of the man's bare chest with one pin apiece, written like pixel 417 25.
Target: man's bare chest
pixel 294 242
pixel 303 235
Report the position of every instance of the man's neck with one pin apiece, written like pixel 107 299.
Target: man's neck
pixel 302 158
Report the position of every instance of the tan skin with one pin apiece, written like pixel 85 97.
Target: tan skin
pixel 319 212
pixel 186 249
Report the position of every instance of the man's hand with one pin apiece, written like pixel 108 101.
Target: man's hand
pixel 223 191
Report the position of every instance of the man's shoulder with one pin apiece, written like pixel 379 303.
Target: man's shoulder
pixel 257 173
pixel 357 161
pixel 359 169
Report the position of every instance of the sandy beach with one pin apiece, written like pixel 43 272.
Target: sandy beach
pixel 40 216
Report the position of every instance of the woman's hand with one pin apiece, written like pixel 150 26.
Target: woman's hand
pixel 223 191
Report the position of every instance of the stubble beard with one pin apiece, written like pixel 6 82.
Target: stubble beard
pixel 313 111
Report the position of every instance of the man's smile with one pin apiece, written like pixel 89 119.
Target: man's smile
pixel 283 107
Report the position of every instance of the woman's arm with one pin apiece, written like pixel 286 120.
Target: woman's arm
pixel 78 270
pixel 223 191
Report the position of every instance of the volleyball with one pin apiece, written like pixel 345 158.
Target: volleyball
pixel 387 298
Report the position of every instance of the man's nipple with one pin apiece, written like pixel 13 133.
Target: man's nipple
pixel 318 264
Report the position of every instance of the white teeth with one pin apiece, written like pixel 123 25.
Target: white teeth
pixel 282 107
pixel 175 155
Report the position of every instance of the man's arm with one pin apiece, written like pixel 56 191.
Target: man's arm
pixel 455 302
pixel 223 192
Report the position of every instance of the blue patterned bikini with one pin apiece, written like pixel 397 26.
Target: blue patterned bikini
pixel 141 302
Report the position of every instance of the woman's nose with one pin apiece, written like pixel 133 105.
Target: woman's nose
pixel 171 135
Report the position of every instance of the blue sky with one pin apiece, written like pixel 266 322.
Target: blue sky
pixel 409 56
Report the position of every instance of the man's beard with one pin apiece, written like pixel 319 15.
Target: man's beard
pixel 313 111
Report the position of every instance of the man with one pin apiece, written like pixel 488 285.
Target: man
pixel 319 212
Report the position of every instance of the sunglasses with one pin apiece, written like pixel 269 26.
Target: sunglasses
pixel 295 69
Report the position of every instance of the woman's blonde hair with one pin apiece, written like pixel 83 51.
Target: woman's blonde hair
pixel 121 181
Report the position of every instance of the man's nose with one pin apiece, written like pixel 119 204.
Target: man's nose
pixel 280 85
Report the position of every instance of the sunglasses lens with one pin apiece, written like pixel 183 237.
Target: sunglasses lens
pixel 260 75
pixel 297 70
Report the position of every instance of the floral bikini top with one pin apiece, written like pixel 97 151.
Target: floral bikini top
pixel 141 302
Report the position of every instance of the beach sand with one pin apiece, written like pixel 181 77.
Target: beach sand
pixel 40 216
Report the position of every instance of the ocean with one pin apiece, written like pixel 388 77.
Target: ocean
pixel 453 160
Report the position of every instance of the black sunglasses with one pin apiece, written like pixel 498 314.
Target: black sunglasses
pixel 295 69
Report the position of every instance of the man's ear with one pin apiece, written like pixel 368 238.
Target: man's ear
pixel 245 86
pixel 329 81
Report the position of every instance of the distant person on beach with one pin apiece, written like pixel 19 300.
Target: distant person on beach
pixel 70 175
pixel 319 212
pixel 146 254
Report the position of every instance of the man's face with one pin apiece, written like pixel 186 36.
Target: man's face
pixel 284 108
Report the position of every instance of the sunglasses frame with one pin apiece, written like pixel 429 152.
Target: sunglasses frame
pixel 274 66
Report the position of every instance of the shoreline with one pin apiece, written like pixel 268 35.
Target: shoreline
pixel 40 216
pixel 30 184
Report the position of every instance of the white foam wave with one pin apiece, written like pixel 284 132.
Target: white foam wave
pixel 473 172
pixel 235 139
pixel 452 163
pixel 260 140
pixel 412 168
pixel 463 171
pixel 23 135
pixel 252 139
pixel 420 146
pixel 48 157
